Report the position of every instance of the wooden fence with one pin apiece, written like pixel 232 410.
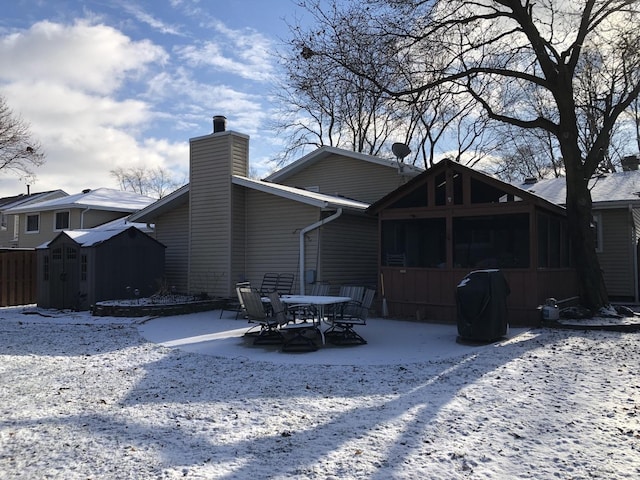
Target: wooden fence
pixel 17 277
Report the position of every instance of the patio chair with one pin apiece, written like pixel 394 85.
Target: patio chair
pixel 307 312
pixel 269 284
pixel 285 283
pixel 235 304
pixel 352 314
pixel 269 333
pixel 298 337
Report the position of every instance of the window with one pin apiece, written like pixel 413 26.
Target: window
pixel 414 243
pixel 33 223
pixel 83 267
pixel 3 220
pixel 45 268
pixel 61 220
pixel 553 242
pixel 497 241
pixel 16 227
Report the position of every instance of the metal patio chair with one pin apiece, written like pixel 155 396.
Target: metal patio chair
pixel 298 337
pixel 352 314
pixel 269 333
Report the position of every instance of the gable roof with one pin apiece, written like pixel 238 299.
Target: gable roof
pixel 324 152
pixel 165 204
pixel 606 189
pixel 95 236
pixel 10 202
pixel 314 199
pixel 99 199
pixel 445 164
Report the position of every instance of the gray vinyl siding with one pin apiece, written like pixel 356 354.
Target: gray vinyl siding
pixel 212 158
pixel 93 218
pixel 616 258
pixel 348 177
pixel 172 230
pixel 350 252
pixel 273 235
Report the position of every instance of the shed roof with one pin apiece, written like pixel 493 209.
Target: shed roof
pixel 326 151
pixel 98 199
pixel 95 236
pixel 610 188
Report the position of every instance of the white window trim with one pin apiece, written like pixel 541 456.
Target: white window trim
pixel 16 227
pixel 597 219
pixel 55 218
pixel 26 223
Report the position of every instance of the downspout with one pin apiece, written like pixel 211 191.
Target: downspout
pixel 303 232
pixel 81 217
pixel 635 256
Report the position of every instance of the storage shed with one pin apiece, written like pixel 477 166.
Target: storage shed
pixel 80 267
pixel 451 220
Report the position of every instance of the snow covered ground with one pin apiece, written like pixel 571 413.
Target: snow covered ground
pixel 184 397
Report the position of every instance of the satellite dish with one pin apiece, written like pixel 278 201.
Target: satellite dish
pixel 400 150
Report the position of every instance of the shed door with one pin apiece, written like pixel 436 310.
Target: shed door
pixel 64 275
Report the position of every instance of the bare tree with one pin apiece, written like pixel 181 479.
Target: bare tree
pixel 504 53
pixel 20 153
pixel 153 182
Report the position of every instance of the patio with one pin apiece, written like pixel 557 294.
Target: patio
pixel 390 342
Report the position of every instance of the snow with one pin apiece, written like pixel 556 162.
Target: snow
pixel 186 397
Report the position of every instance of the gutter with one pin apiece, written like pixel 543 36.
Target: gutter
pixel 303 232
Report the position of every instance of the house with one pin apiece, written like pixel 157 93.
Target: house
pixel 307 219
pixel 616 213
pixel 451 220
pixel 8 228
pixel 35 223
pixel 80 267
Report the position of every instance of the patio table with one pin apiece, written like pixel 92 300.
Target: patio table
pixel 318 301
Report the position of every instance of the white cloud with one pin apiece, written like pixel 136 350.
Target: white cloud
pixel 95 58
pixel 245 53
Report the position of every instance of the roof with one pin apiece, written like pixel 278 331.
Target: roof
pixel 98 199
pixel 181 196
pixel 10 202
pixel 159 207
pixel 94 236
pixel 319 200
pixel 483 177
pixel 607 189
pixel 324 152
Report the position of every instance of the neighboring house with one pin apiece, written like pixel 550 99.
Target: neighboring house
pixel 8 228
pixel 616 213
pixel 451 220
pixel 80 267
pixel 35 223
pixel 307 219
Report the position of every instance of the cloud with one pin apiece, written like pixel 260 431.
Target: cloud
pixel 245 53
pixel 150 20
pixel 95 58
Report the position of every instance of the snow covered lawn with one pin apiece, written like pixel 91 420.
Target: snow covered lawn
pixel 182 397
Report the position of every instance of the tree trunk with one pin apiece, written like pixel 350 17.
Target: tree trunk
pixel 593 291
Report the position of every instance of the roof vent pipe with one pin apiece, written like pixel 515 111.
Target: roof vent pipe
pixel 219 123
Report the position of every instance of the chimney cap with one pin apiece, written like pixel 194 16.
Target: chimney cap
pixel 219 123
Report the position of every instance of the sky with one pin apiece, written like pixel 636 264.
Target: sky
pixel 120 83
